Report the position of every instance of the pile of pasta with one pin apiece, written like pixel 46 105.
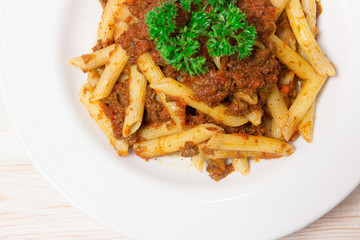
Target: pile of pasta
pixel 302 56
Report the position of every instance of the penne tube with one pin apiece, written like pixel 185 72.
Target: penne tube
pixel 135 110
pixel 307 41
pixel 93 60
pixel 156 131
pixel 285 33
pixel 310 10
pixel 267 125
pixel 124 14
pixel 255 117
pixel 251 99
pixel 148 67
pixel 113 69
pixel 104 123
pixel 292 59
pixel 173 88
pixel 93 79
pixel 216 154
pixel 302 103
pixel 244 142
pixel 198 162
pixel 99 70
pixel 173 143
pixel 276 131
pixel 106 26
pixel 286 77
pixel 241 165
pixel 280 5
pixel 278 109
pixel 119 28
pixel 306 126
pixel 154 74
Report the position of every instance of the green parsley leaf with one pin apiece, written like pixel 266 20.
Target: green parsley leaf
pixel 225 26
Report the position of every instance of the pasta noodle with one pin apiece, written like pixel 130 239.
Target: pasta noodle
pixel 249 143
pixel 103 122
pixel 307 41
pixel 93 60
pixel 173 143
pixel 113 69
pixel 241 165
pixel 135 110
pixel 106 26
pixel 198 162
pixel 293 60
pixel 302 104
pixel 280 5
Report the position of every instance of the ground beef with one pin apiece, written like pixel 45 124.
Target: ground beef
pixel 189 150
pixel 211 88
pixel 218 169
pixel 261 14
pixel 155 111
pixel 238 107
pixel 114 107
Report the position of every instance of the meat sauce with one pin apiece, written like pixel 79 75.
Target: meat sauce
pixel 255 75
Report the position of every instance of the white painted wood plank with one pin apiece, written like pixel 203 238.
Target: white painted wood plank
pixel 10 150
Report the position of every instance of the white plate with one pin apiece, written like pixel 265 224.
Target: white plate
pixel 149 200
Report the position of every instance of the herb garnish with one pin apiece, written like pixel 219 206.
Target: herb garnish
pixel 225 21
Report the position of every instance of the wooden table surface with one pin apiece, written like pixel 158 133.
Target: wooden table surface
pixel 31 209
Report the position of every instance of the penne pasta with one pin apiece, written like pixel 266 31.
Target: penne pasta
pixel 302 104
pixel 113 69
pixel 165 129
pixel 173 88
pixel 237 142
pixel 241 165
pixel 278 109
pixel 198 162
pixel 267 125
pixel 135 110
pixel 106 26
pixel 306 126
pixel 119 28
pixel 148 67
pixel 310 10
pixel 216 154
pixel 292 59
pixel 93 79
pixel 125 14
pixel 255 117
pixel 307 41
pixel 285 33
pixel 104 123
pixel 173 143
pixel 93 60
pixel 251 99
pixel 280 5
pixel 154 74
pixel 276 131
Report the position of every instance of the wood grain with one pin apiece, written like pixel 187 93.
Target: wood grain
pixel 31 209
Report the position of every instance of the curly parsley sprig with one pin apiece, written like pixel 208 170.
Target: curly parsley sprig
pixel 225 26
